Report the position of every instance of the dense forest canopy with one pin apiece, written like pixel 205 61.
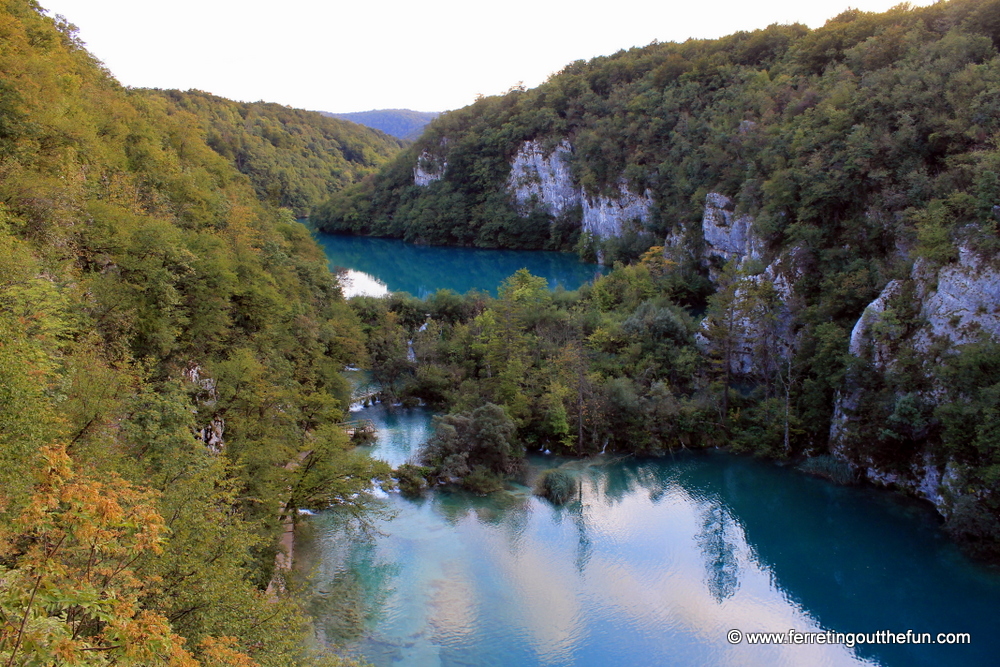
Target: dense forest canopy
pixel 836 135
pixel 295 159
pixel 169 342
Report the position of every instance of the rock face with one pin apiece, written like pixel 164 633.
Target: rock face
pixel 605 217
pixel 540 180
pixel 861 335
pixel 543 180
pixel 965 306
pixel 958 304
pixel 727 235
pixel 429 169
pixel 212 434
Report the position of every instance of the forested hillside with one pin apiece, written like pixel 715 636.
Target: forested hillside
pixel 807 130
pixel 400 123
pixel 168 343
pixel 294 158
pixel 824 206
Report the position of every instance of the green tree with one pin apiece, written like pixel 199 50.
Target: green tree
pixel 478 447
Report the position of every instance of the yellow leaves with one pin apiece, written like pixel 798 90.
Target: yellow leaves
pixel 86 527
pixel 57 465
pixel 606 337
pixel 68 650
pixel 657 263
pixel 70 596
pixel 219 652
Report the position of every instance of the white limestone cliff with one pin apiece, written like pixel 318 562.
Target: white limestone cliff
pixel 964 307
pixel 727 235
pixel 605 217
pixel 862 338
pixel 958 304
pixel 542 180
pixel 213 435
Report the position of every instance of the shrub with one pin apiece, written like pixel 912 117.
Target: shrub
pixel 558 486
pixel 466 443
pixel 412 479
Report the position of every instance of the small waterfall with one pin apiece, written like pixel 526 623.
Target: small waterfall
pixel 410 356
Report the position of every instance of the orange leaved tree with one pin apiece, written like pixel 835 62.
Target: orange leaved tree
pixel 68 593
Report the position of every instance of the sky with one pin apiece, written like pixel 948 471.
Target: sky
pixel 434 55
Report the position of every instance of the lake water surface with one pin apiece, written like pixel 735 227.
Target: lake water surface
pixel 377 266
pixel 653 563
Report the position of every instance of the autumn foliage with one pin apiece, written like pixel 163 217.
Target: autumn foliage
pixel 70 593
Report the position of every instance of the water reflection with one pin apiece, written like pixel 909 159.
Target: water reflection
pixel 422 270
pixel 718 544
pixel 359 283
pixel 653 563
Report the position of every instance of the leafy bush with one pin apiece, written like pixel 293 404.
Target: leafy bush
pixel 412 479
pixel 558 486
pixel 473 446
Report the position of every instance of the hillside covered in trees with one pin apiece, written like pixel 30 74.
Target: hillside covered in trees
pixel 823 208
pixel 806 130
pixel 294 158
pixel 169 342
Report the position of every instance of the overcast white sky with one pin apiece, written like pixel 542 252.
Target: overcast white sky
pixel 433 55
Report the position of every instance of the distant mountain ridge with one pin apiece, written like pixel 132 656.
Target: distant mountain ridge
pixel 400 123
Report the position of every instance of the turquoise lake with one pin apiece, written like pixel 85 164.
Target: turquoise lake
pixel 653 563
pixel 396 266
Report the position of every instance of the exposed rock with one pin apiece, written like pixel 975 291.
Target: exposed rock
pixel 761 334
pixel 605 217
pixel 540 180
pixel 727 235
pixel 543 180
pixel 924 479
pixel 429 169
pixel 959 304
pixel 965 306
pixel 212 434
pixel 861 335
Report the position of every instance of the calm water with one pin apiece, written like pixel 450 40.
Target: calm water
pixel 380 265
pixel 653 564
